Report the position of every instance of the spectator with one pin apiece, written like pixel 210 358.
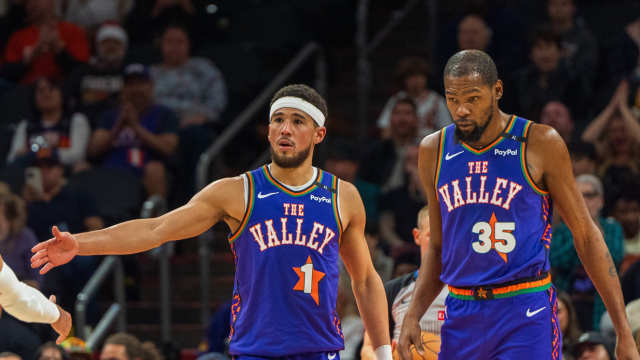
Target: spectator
pixel 16 240
pixel 473 33
pixel 48 47
pixel 583 158
pixel 593 346
pixel 623 56
pixel 387 171
pixel 139 134
pixel 195 90
pixel 56 203
pixel 626 209
pixel 411 78
pixel 544 79
pixel 558 116
pixel 579 48
pixel 381 262
pixel 398 206
pixel 95 87
pixel 91 13
pixel 568 324
pixel 122 346
pixel 51 351
pixel 406 263
pixel 569 274
pixel 52 127
pixel 616 134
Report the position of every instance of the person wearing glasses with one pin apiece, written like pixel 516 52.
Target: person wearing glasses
pixel 569 274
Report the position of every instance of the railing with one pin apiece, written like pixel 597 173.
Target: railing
pixel 116 312
pixel 366 47
pixel 155 206
pixel 242 120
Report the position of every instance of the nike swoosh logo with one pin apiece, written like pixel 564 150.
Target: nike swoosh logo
pixel 331 356
pixel 262 196
pixel 451 156
pixel 531 313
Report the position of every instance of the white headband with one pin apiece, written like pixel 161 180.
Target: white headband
pixel 300 104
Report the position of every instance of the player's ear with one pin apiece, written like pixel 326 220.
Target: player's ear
pixel 498 89
pixel 319 134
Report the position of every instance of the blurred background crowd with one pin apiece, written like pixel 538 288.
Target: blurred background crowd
pixel 108 103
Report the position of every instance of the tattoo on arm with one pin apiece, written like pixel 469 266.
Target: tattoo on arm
pixel 612 266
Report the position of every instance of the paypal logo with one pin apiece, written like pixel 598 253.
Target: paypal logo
pixel 505 152
pixel 320 199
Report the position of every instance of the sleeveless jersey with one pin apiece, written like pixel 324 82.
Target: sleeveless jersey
pixel 496 223
pixel 286 282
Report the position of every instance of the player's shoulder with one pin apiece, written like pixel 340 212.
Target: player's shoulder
pixel 540 133
pixel 432 141
pixel 228 187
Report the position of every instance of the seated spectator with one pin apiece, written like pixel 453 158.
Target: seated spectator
pixel 558 116
pixel 398 206
pixel 545 79
pixel 626 209
pixel 53 202
pixel 381 262
pixel 138 134
pixel 568 324
pixel 411 79
pixel 16 240
pixel 95 87
pixel 583 158
pixel 568 273
pixel 387 171
pixel 51 351
pixel 91 13
pixel 49 47
pixel 473 33
pixel 593 346
pixel 122 346
pixel 51 127
pixel 616 134
pixel 195 90
pixel 579 48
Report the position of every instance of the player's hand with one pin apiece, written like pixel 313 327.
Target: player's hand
pixel 63 325
pixel 54 252
pixel 626 349
pixel 410 335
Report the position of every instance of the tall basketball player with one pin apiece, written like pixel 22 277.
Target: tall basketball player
pixel 493 176
pixel 289 224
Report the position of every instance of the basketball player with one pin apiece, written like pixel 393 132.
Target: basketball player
pixel 400 291
pixel 493 176
pixel 289 222
pixel 28 304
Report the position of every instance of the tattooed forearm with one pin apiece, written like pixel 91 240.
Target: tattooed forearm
pixel 612 266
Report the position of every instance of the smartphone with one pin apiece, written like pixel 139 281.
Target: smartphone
pixel 33 177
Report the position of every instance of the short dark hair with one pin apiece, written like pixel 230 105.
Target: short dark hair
pixel 305 93
pixel 472 62
pixel 409 66
pixel 544 33
pixel 406 100
pixel 5 354
pixel 132 346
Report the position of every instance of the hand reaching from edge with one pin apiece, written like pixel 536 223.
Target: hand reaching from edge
pixel 54 252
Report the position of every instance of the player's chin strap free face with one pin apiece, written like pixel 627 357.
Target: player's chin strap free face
pixel 300 104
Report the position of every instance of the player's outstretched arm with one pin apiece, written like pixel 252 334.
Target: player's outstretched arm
pixel 547 148
pixel 428 284
pixel 367 285
pixel 205 209
pixel 28 304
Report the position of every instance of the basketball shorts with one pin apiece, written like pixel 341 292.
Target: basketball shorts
pixel 307 356
pixel 523 327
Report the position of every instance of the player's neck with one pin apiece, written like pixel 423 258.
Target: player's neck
pixel 494 129
pixel 295 176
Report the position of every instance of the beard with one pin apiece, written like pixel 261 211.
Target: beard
pixel 475 134
pixel 288 162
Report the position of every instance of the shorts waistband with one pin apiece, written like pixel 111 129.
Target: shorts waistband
pixel 499 291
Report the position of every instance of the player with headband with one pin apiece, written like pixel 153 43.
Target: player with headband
pixel 289 222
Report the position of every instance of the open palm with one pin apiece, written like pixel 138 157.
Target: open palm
pixel 54 252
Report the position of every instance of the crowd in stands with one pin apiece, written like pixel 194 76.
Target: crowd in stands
pixel 91 99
